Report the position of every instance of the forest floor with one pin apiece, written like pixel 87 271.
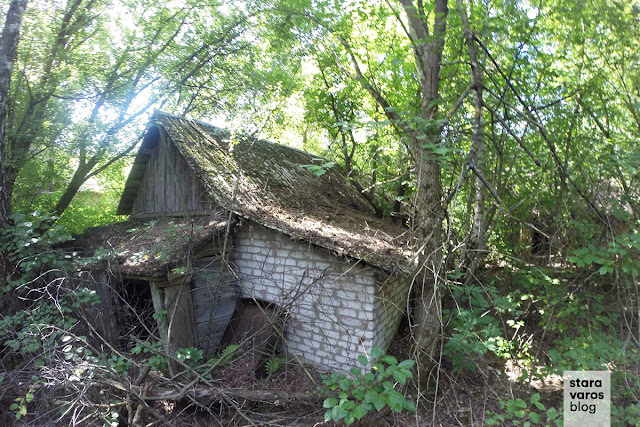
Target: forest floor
pixel 457 397
pixel 474 396
pixel 463 398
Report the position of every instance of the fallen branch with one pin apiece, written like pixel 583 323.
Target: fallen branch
pixel 206 395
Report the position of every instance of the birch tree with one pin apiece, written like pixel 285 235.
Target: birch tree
pixel 8 47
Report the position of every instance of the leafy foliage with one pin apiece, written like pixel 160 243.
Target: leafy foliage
pixel 365 391
pixel 526 414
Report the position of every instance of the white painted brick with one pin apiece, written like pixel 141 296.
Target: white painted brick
pixel 348 312
pixel 326 323
pixel 367 334
pixel 354 323
pixel 252 249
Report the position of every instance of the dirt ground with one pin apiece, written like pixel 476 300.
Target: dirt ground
pixel 459 399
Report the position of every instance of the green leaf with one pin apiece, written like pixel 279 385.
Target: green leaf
pixel 399 376
pixel 355 371
pixel 361 410
pixel 406 364
pixel 345 383
pixel 387 385
pixel 358 393
pixel 376 352
pixel 370 396
pixel 330 402
pixel 410 406
pixel 349 419
pixel 337 413
pixel 363 360
pixel 534 417
pixel 395 400
pixel 348 405
pixel 380 402
pixel 389 360
pixel 552 414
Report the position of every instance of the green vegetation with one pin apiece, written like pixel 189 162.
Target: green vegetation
pixel 521 119
pixel 362 392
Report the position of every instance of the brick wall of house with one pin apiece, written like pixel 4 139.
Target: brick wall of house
pixel 336 306
pixel 389 306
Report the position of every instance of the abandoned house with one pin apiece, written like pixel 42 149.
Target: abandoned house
pixel 219 225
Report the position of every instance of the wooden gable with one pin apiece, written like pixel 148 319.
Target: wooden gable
pixel 164 181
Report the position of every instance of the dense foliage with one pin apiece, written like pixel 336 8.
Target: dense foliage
pixel 533 136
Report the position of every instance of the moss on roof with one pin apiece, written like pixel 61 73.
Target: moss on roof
pixel 266 183
pixel 149 248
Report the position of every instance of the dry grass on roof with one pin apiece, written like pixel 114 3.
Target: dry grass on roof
pixel 148 247
pixel 351 233
pixel 267 183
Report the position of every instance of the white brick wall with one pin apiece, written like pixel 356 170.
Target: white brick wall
pixel 390 305
pixel 338 308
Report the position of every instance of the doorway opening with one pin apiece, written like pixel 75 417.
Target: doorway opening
pixel 135 312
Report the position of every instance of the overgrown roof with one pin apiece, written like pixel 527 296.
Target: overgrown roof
pixel 266 183
pixel 147 247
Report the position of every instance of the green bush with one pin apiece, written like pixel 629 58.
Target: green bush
pixel 520 413
pixel 359 394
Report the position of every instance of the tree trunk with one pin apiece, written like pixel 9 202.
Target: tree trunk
pixel 477 239
pixel 8 48
pixel 428 234
pixel 428 214
pixel 428 210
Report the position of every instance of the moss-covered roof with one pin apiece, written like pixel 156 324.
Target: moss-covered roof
pixel 150 247
pixel 266 183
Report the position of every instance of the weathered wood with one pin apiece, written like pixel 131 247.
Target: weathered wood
pixel 170 177
pixel 181 323
pixel 215 294
pixel 158 307
pixel 159 185
pixel 174 279
pixel 168 184
pixel 99 315
pixel 257 328
pixel 210 251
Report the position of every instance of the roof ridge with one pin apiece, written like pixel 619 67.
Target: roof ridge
pixel 158 113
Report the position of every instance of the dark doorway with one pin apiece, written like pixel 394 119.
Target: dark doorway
pixel 256 327
pixel 539 243
pixel 135 316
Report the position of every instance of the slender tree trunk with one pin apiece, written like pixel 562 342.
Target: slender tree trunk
pixel 477 239
pixel 8 48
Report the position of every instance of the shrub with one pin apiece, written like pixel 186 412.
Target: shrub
pixel 364 391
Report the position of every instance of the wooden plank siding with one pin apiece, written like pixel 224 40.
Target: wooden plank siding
pixel 168 184
pixel 215 295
